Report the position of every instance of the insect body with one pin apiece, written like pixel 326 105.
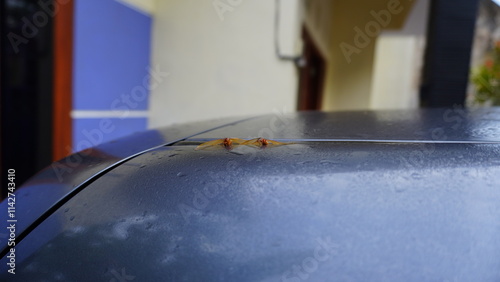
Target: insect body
pixel 226 143
pixel 263 143
pixel 230 143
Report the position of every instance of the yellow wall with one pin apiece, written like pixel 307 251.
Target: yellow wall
pixel 399 61
pixel 226 66
pixel 348 82
pixel 221 59
pixel 145 6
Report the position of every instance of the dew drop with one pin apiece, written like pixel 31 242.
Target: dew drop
pixel 142 165
pixel 400 189
pixel 416 175
pixel 71 218
pixel 180 174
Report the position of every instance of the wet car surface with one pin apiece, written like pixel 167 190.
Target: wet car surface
pixel 359 196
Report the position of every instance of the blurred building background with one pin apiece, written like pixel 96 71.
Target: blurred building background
pixel 486 36
pixel 76 73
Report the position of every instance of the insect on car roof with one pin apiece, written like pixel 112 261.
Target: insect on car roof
pixel 359 196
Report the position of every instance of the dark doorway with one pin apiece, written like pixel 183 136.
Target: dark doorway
pixel 26 53
pixel 311 75
pixel 447 59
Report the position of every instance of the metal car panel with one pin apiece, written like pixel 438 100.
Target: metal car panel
pixel 322 211
pixel 63 178
pixel 431 125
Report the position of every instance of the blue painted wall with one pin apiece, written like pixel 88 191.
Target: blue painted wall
pixel 89 132
pixel 111 58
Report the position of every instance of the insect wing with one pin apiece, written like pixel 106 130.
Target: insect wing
pixel 215 144
pixel 210 144
pixel 238 141
pixel 258 142
pixel 276 143
pixel 253 142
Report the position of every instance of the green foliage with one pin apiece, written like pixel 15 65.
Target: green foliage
pixel 486 78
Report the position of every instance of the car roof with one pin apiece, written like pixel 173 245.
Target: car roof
pixel 431 125
pixel 48 189
pixel 424 190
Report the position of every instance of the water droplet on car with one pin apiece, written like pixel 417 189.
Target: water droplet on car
pixel 400 189
pixel 66 210
pixel 180 174
pixel 71 218
pixel 172 155
pixel 142 165
pixel 416 176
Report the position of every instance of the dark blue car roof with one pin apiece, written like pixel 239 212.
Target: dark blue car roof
pixel 361 196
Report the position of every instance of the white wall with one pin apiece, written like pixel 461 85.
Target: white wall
pixel 143 6
pixel 398 62
pixel 221 64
